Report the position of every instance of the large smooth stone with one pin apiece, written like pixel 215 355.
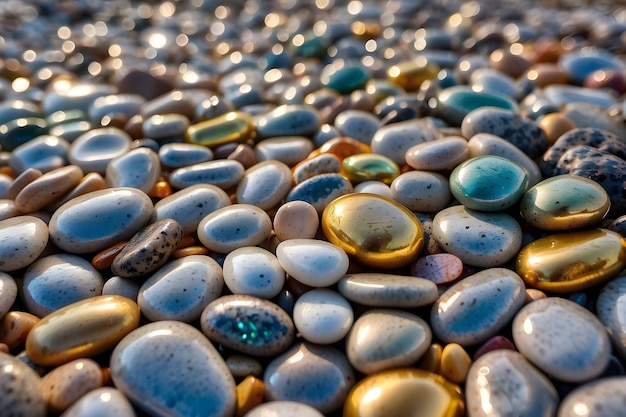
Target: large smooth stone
pixel 375 230
pixel 82 329
pixel 600 398
pixel 313 262
pixel 563 339
pixel 572 261
pixel 178 155
pixel 224 173
pixel 477 307
pixel 503 382
pixel 319 376
pixel 19 385
pixel 22 240
pixel 97 220
pixel 404 392
pixel 92 151
pixel 611 310
pixel 288 120
pixel 170 369
pixel 382 339
pixel 322 316
pixel 139 168
pixel 387 290
pixel 264 184
pixel 101 402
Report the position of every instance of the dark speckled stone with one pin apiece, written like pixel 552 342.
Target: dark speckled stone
pixel 19 392
pixel 320 190
pixel 148 249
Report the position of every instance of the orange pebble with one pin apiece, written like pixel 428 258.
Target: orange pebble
pixel 4 348
pixel 15 326
pixel 106 377
pixel 161 189
pixel 344 146
pixel 104 259
pixel 186 241
pixel 190 250
pixel 250 393
pixel 6 170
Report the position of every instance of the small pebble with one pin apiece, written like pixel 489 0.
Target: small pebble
pixel 421 191
pixel 250 393
pixel 101 402
pixel 47 188
pixel 122 287
pixel 440 268
pixel 264 184
pixel 224 173
pixel 23 239
pixel 387 290
pixel 455 363
pixel 67 383
pixel 439 154
pixel 322 316
pixel 178 155
pixel 86 151
pixel 253 271
pixel 396 140
pixel 312 262
pixel 15 326
pixel 139 168
pixel 286 149
pixel 241 366
pixel 320 190
pixel 296 220
pixel 283 409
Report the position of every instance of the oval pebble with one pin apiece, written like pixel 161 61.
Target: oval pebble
pixel 44 153
pixel 139 168
pixel 242 365
pixel 253 271
pixel 610 310
pixel 477 307
pixel 224 173
pixel 121 286
pixel 235 226
pixel 264 184
pixel 168 368
pixel 395 140
pixel 421 191
pixel 22 240
pixel 440 268
pixel 603 397
pixel 382 339
pixel 454 104
pixel 178 155
pixel 286 149
pixel 387 290
pixel 92 151
pixel 67 383
pixel 283 409
pixel 357 124
pixel 48 188
pixel 562 339
pixel 19 384
pixel 313 262
pixel 324 163
pixel 248 324
pixel 296 220
pixel 8 293
pixel 437 155
pixel 322 316
pixel 15 326
pixel 101 402
pixel 374 187
pixel 97 220
pixel 288 120
pixel 320 190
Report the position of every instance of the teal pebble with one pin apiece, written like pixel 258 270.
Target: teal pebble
pixel 454 103
pixel 345 79
pixel 19 131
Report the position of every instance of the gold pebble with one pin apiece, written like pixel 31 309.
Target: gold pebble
pixel 250 393
pixel 231 127
pixel 455 363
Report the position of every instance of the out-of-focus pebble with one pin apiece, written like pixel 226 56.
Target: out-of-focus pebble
pixel 23 239
pixel 20 387
pixel 67 383
pixel 101 402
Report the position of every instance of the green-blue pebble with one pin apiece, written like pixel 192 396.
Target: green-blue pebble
pixel 345 78
pixel 454 103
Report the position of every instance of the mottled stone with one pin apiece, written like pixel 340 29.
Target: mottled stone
pixel 139 168
pixel 22 240
pixel 224 173
pixel 609 307
pixel 605 397
pixel 320 190
pixel 264 184
pixel 440 268
pixel 67 383
pixel 19 385
pixel 253 271
pixel 387 290
pixel 323 163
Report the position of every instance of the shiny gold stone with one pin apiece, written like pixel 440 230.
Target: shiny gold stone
pixel 455 363
pixel 404 392
pixel 250 393
pixel 411 74
pixel 374 230
pixel 232 127
pixel 572 261
pixel 370 167
pixel 81 330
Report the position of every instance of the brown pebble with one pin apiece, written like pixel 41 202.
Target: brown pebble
pixel 296 220
pixel 90 182
pixel 4 348
pixel 534 295
pixel 48 188
pixel 190 250
pixel 509 61
pixel 22 180
pixel 245 154
pixel 187 240
pixel 65 384
pixel 546 74
pixel 104 259
pixel 15 326
pixel 554 125
pixel 431 360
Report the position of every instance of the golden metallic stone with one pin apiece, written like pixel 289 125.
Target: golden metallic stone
pixel 375 230
pixel 404 392
pixel 370 167
pixel 411 74
pixel 250 393
pixel 455 363
pixel 81 330
pixel 232 127
pixel 572 261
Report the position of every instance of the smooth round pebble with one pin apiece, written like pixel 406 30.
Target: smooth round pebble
pixel 22 240
pixel 140 168
pixel 440 268
pixel 397 139
pixel 92 151
pixel 605 397
pixel 611 311
pixel 563 339
pixel 313 262
pixel 264 184
pixel 178 155
pixel 253 271
pixel 283 409
pixel 320 190
pixel 374 187
pixel 438 155
pixel 48 188
pixel 44 153
pixel 357 124
pixel 324 163
pixel 19 384
pixel 421 191
pixel 286 149
pixel 387 290
pixel 101 402
pixel 322 316
pixel 67 383
pixel 288 120
pixel 224 173
pixel 242 366
pixel 296 220
pixel 369 167
pixel 121 286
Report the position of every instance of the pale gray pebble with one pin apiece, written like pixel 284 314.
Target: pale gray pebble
pixel 322 316
pixel 56 281
pixel 283 409
pixel 181 289
pixel 502 382
pixel 477 307
pixel 253 271
pixel 264 184
pixel 421 191
pixel 164 126
pixel 224 173
pixel 121 286
pixel 22 240
pixel 8 293
pixel 44 153
pixel 396 139
pixel 563 339
pixel 388 290
pixel 139 168
pixel 605 397
pixel 561 95
pixel 126 104
pixel 86 150
pixel 242 365
pixel 170 369
pixel 101 402
pixel 19 385
pixel 287 149
pixel 374 187
pixel 319 376
pixel 382 339
pixel 358 124
pixel 609 307
pixel 288 120
pixel 81 95
pixel 492 81
pixel 178 155
pixel 438 154
pixel 587 115
pixel 8 209
pixel 148 249
pixel 5 184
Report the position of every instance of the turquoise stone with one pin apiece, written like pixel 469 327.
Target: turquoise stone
pixel 488 183
pixel 18 109
pixel 345 78
pixel 288 120
pixel 454 103
pixel 310 45
pixel 19 131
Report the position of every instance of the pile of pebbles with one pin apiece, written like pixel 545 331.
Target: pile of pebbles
pixel 312 207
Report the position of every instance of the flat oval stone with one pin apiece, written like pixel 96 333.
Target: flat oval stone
pixel 19 384
pixel 242 366
pixel 296 220
pixel 320 190
pixel 169 368
pixel 313 262
pixel 479 239
pixel 92 151
pixel 440 268
pixel 48 188
pixel 344 77
pixel 97 220
pixel 8 293
pixel 139 168
pixel 437 155
pixel 319 376
pixel 572 261
pixel 44 153
pixel 181 289
pixel 503 382
pixel 21 181
pixel 230 127
pixel 253 271
pixel 264 184
pixel 580 349
pixel 324 163
pixel 600 398
pixel 178 155
pixel 404 391
pixel 283 409
pixel 224 173
pixel 121 286
pixel 382 339
pixel 456 102
pixel 395 140
pixel 15 326
pixel 190 205
pixel 287 149
pixel 235 226
pixel 54 281
pixel 477 307
pixel 127 104
pixel 375 187
pixel 370 167
pixel 578 65
pixel 376 231
pixel 164 126
pixel 610 310
pixel 90 182
pixel 387 290
pixel 565 202
pixel 562 95
pixel 247 324
pixel 358 124
pixel 421 191
pixel 322 316
pixel 20 131
pixel 67 383
pixel 101 402
pixel 82 329
pixel 288 120
pixel 22 240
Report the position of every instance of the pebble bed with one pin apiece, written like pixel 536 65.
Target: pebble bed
pixel 312 208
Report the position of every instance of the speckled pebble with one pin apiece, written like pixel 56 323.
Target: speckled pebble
pixel 387 290
pixel 44 153
pixel 264 184
pixel 67 383
pixel 313 262
pixel 421 191
pixel 320 190
pixel 101 402
pixel 19 384
pixel 253 271
pixel 605 397
pixel 283 409
pixel 242 365
pixel 121 286
pixel 178 155
pixel 324 163
pixel 296 220
pixel 139 168
pixel 22 240
pixel 440 268
pixel 322 316
pixel 563 339
pixel 609 307
pixel 438 155
pixel 8 293
pixel 86 151
pixel 168 368
pixel 357 124
pixel 287 149
pixel 224 173
pixel 288 120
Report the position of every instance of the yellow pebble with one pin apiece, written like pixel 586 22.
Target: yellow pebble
pixel 455 363
pixel 554 125
pixel 370 167
pixel 232 127
pixel 250 393
pixel 411 74
pixel 431 361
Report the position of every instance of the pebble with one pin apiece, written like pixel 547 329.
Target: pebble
pixel 544 327
pixel 8 293
pixel 92 151
pixel 373 230
pixel 322 316
pixel 248 325
pixel 502 382
pixel 241 366
pixel 357 124
pixel 96 220
pixel 250 393
pixel 578 65
pixel 603 397
pixel 101 402
pixel 439 154
pixel 23 239
pixel 477 307
pixel 555 125
pixel 288 120
pixel 253 271
pixel 8 209
pixel 224 173
pixel 455 103
pixel 383 339
pixel 396 140
pixel 67 383
pixel 313 262
pixel 169 368
pixel 163 126
pixel 283 409
pixel 140 168
pixel 235 226
pixel 90 182
pixel 369 167
pixel 44 153
pixel 19 384
pixel 289 150
pixel 480 239
pixel 455 363
pixel 319 376
pixel 324 163
pixel 421 191
pixel 82 329
pixel 122 287
pixel 231 127
pixel 47 188
pixel 561 95
pixel 387 290
pixel 439 268
pixel 608 307
pixel 296 220
pixel 15 326
pixel 412 73
pixel 178 155
pixel 264 185
pixel 374 187
pixel 320 190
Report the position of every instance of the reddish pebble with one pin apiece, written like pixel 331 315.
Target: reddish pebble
pixel 534 295
pixel 4 348
pixel 104 259
pixel 495 343
pixel 296 220
pixel 14 327
pixel 440 268
pixel 607 78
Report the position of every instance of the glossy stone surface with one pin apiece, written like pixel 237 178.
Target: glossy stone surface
pixel 322 316
pixel 324 163
pixel 22 240
pixel 610 310
pixel 19 385
pixel 439 154
pixel 296 220
pixel 289 150
pixel 411 74
pixel 572 261
pixel 139 168
pixel 224 173
pixel 421 191
pixel 178 155
pixel 313 262
pixel 169 369
pixel 92 151
pixel 562 339
pixel 15 326
pixel 370 167
pixel 101 402
pixel 440 268
pixel 454 103
pixel 82 329
pixel 374 230
pixel 600 398
pixel 395 140
pixel 65 384
pixel 282 409
pixel 455 363
pixel 253 271
pixel 387 290
pixel 264 184
pixel 230 127
pixel 404 391
pixel 8 293
pixel 320 190
pixel 288 120
pixel 47 188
